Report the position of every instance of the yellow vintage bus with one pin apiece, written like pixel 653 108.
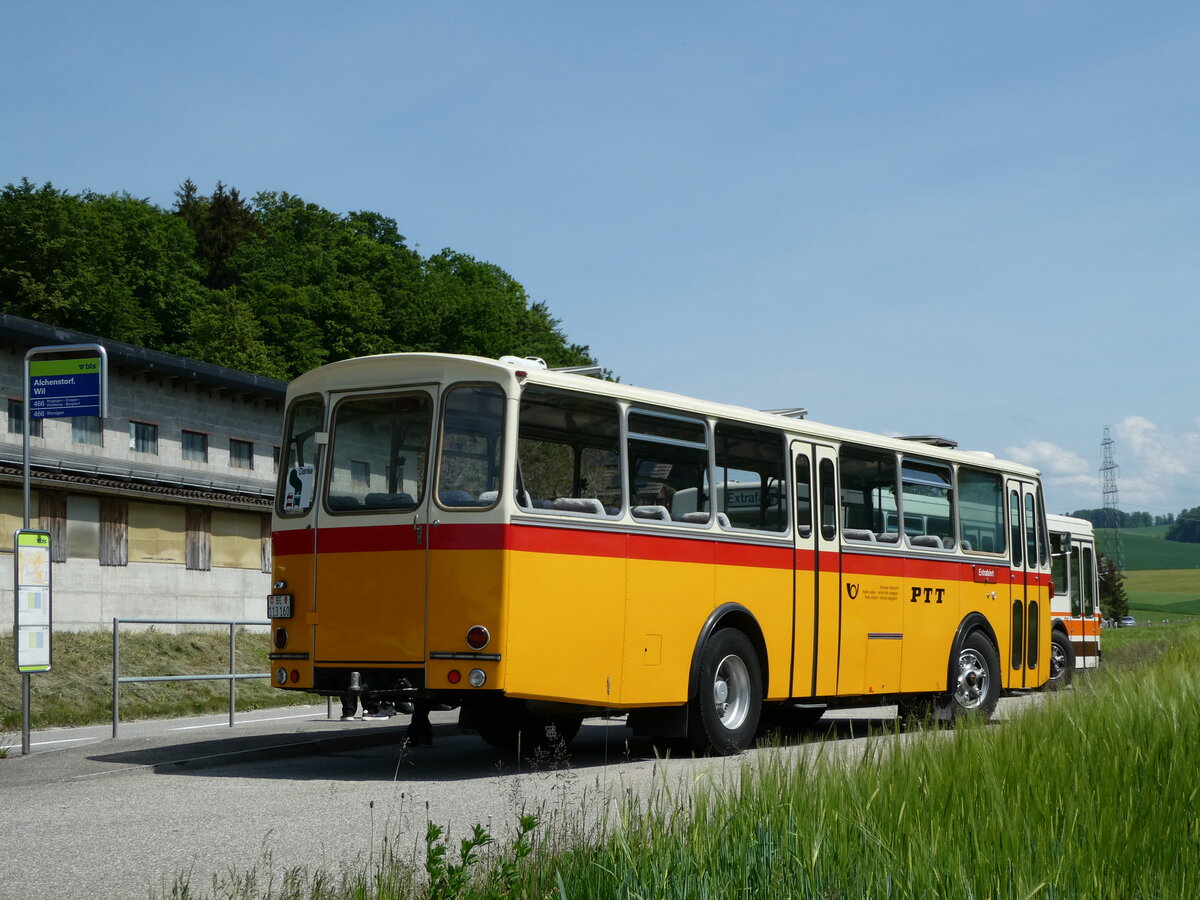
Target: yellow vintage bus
pixel 537 546
pixel 1075 606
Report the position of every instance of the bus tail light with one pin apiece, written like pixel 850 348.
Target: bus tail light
pixel 281 638
pixel 478 637
pixel 454 676
pixel 295 676
pixel 477 677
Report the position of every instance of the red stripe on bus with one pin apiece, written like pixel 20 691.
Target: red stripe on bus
pixel 292 543
pixel 572 541
pixel 469 537
pixel 367 539
pixel 611 544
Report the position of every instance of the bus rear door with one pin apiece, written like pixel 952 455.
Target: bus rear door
pixel 372 534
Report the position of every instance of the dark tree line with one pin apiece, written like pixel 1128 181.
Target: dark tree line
pixel 1116 518
pixel 272 285
pixel 1185 527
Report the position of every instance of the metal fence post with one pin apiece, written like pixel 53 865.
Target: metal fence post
pixel 232 680
pixel 116 677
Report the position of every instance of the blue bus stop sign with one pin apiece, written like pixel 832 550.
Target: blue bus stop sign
pixel 65 387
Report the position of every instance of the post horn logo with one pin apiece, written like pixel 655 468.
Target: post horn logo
pixel 852 590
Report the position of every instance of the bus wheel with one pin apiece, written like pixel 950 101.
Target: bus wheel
pixel 1062 661
pixel 976 686
pixel 723 717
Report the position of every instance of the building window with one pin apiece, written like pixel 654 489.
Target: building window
pixel 241 454
pixel 143 438
pixel 360 472
pixel 275 460
pixel 195 446
pixel 87 430
pixel 16 420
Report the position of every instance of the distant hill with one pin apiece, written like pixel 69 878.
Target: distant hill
pixel 1162 578
pixel 1147 548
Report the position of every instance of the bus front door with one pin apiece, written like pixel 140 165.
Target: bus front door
pixel 371 539
pixel 1022 661
pixel 818 579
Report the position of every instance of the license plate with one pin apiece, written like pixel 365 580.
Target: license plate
pixel 279 606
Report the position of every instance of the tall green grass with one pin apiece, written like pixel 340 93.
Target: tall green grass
pixel 1094 793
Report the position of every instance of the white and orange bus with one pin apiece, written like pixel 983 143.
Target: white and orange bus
pixel 1075 606
pixel 538 546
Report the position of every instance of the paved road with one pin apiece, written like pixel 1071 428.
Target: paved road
pixel 87 816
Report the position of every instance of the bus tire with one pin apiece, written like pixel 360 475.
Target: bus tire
pixel 1062 661
pixel 975 679
pixel 723 716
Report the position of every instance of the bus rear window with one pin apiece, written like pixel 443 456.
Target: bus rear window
pixel 298 474
pixel 379 453
pixel 472 425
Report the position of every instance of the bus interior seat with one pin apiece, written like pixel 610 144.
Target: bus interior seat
pixel 579 504
pixel 888 537
pixel 947 543
pixel 651 512
pixel 381 500
pixel 858 534
pixel 966 545
pixel 723 520
pixel 455 497
pixel 487 498
pixel 343 502
pixel 926 540
pixel 701 517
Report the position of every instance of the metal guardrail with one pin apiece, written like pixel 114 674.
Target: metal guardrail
pixel 232 677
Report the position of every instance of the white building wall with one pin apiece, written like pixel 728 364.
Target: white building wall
pixel 87 595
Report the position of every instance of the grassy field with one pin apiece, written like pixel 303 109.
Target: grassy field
pixel 1162 578
pixel 1091 795
pixel 1147 548
pixel 78 688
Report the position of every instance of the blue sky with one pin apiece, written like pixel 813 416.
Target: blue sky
pixel 973 220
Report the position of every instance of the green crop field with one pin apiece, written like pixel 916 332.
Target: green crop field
pixel 1148 548
pixel 1162 578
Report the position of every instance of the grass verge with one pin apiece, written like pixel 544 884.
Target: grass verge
pixel 78 688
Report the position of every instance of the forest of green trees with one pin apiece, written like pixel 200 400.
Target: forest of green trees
pixel 274 285
pixel 1185 527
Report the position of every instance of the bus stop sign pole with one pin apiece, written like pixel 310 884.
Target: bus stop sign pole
pixel 62 380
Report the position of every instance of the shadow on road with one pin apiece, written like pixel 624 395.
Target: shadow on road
pixel 381 752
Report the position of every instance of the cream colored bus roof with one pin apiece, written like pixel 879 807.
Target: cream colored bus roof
pixel 402 369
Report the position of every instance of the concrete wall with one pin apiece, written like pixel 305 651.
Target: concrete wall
pixel 87 596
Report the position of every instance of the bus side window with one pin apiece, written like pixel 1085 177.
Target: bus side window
pixel 868 494
pixel 567 453
pixel 668 467
pixel 981 510
pixel 752 477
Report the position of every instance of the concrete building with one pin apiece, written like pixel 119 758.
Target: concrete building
pixel 162 508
